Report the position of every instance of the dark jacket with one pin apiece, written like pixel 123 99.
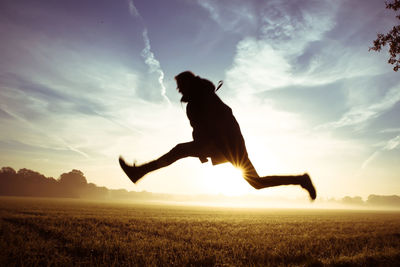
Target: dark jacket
pixel 215 129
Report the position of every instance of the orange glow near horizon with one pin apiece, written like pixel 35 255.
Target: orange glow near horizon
pixel 227 180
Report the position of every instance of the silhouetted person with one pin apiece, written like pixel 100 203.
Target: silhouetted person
pixel 216 135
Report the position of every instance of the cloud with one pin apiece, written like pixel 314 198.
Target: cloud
pixel 258 67
pixel 303 45
pixel 233 16
pixel 51 94
pixel 291 26
pixel 370 159
pixel 392 143
pixel 87 89
pixel 149 58
pixel 313 101
pixel 133 10
pixel 49 137
pixel 211 9
pixel 389 145
pixel 267 61
pixel 153 64
pixel 67 99
pixel 360 114
pixel 391 130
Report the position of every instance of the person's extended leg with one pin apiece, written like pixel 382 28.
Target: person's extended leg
pixel 180 151
pixel 252 177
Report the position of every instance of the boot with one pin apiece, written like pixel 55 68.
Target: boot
pixel 134 172
pixel 306 183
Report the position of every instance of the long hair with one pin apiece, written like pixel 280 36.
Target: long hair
pixel 195 86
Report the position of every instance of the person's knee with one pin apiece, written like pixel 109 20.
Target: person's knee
pixel 255 185
pixel 178 148
pixel 253 182
pixel 182 150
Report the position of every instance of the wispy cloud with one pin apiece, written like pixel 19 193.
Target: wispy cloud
pixel 267 60
pixel 234 16
pixel 360 114
pixel 133 10
pixel 391 130
pixel 211 9
pixel 57 139
pixel 391 144
pixel 258 67
pixel 153 64
pixel 149 58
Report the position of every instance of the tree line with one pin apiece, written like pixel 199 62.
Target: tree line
pixel 73 184
pixel 26 182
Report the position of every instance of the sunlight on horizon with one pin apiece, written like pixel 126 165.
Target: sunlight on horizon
pixel 227 180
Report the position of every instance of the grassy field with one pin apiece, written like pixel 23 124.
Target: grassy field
pixel 67 232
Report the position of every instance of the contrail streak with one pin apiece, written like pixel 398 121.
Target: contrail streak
pixel 147 54
pixel 390 145
pixel 56 138
pixel 153 63
pixel 133 10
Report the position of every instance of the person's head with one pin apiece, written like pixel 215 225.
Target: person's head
pixel 185 81
pixel 190 85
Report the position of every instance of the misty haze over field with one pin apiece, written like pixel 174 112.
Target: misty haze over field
pixel 73 184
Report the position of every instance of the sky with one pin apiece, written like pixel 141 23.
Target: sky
pixel 82 82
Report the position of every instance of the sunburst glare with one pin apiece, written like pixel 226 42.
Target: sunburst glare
pixel 227 180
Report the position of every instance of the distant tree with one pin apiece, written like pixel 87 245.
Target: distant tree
pixel 32 175
pixel 32 183
pixel 74 178
pixel 8 170
pixel 26 182
pixel 392 38
pixel 93 191
pixel 378 200
pixel 353 200
pixel 8 176
pixel 73 183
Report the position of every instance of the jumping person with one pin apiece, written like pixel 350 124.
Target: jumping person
pixel 216 135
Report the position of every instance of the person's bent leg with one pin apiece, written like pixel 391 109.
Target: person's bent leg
pixel 180 151
pixel 251 176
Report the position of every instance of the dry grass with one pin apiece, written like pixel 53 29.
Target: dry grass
pixel 54 232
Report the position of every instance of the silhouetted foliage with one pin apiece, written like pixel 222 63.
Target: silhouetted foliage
pixel 73 178
pixel 8 170
pixel 74 183
pixel 93 191
pixel 376 200
pixel 26 182
pixel 392 39
pixel 353 200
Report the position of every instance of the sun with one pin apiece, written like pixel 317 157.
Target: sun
pixel 227 180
